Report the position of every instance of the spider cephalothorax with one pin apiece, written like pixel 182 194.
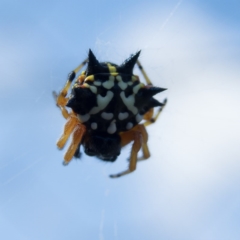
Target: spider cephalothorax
pixel 108 102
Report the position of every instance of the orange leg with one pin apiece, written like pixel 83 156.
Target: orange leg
pixel 61 99
pixel 77 136
pixel 72 125
pixel 145 150
pixel 127 137
pixel 62 108
pixel 139 137
pixel 68 129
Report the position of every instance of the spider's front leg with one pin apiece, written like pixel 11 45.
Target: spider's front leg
pixel 139 137
pixel 149 115
pixel 72 126
pixel 61 99
pixel 78 133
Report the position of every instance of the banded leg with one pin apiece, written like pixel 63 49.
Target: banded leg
pixel 61 99
pixel 148 81
pixel 149 115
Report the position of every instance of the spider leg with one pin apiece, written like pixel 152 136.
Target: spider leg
pixel 148 81
pixel 72 121
pixel 61 99
pixel 139 137
pixel 62 108
pixel 77 136
pixel 148 116
pixel 146 154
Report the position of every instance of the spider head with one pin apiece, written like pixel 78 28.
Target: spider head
pixel 102 145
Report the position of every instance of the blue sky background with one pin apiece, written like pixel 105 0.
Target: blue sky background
pixel 189 189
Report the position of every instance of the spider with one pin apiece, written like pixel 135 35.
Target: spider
pixel 107 103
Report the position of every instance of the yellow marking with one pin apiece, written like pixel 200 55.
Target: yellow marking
pixel 75 85
pixel 81 78
pixel 90 78
pixel 85 85
pixel 112 69
pixel 135 78
pixel 114 74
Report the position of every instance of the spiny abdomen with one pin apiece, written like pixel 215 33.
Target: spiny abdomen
pixel 112 103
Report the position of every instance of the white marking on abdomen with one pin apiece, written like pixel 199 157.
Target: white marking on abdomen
pixel 139 118
pixel 137 87
pixel 112 127
pixel 83 118
pixel 94 125
pixel 93 89
pixel 107 116
pixel 119 78
pixel 129 102
pixel 129 125
pixel 97 83
pixel 102 102
pixel 122 116
pixel 122 85
pixel 109 83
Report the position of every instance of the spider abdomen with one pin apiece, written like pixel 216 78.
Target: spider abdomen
pixel 110 100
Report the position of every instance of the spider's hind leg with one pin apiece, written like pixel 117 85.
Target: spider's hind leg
pixel 139 137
